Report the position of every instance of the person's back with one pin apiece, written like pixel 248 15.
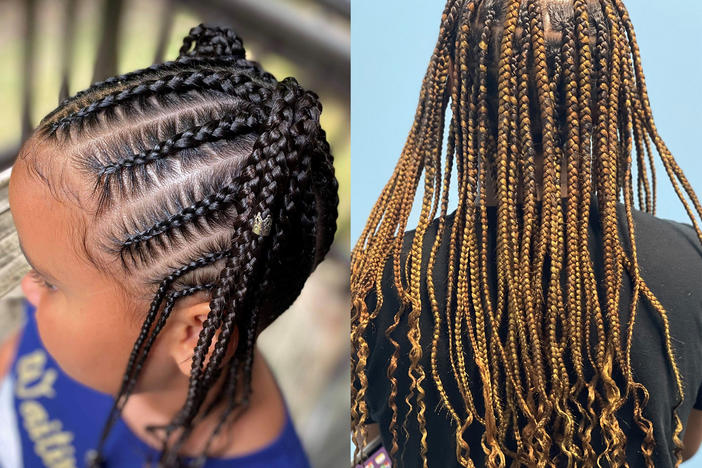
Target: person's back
pixel 504 328
pixel 670 257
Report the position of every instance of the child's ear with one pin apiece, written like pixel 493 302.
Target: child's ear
pixel 188 322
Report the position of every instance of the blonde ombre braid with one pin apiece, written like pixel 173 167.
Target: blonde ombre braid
pixel 556 85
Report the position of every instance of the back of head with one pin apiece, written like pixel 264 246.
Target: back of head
pixel 203 175
pixel 549 110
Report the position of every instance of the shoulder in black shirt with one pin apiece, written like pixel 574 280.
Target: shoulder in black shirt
pixel 670 260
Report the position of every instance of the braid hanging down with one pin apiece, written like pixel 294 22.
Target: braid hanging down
pixel 187 160
pixel 560 79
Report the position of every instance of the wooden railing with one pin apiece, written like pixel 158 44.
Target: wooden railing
pixel 315 38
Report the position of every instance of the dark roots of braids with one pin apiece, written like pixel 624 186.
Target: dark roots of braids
pixel 523 77
pixel 257 153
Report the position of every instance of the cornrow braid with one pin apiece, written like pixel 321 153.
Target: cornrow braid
pixel 235 84
pixel 212 46
pixel 215 130
pixel 182 158
pixel 560 80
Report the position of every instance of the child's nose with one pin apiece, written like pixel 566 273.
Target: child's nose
pixel 31 290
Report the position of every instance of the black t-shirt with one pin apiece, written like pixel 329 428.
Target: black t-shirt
pixel 670 260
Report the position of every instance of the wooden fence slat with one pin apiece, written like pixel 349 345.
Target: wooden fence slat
pixel 164 30
pixel 67 48
pixel 28 66
pixel 106 60
pixel 13 266
pixel 310 41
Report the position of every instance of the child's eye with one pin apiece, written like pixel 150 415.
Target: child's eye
pixel 41 281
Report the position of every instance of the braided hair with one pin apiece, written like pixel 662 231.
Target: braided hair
pixel 209 176
pixel 523 78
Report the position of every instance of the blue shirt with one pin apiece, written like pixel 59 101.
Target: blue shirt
pixel 59 420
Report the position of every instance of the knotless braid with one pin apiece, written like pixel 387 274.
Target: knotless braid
pixel 557 85
pixel 265 173
pixel 284 175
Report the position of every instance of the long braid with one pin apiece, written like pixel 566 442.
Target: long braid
pixel 432 259
pixel 674 172
pixel 131 134
pixel 389 219
pixel 535 367
pixel 290 207
pixel 569 87
pixel 261 191
pixel 634 125
pixel 267 159
pixel 136 360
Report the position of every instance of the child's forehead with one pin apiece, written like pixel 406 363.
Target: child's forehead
pixel 44 215
pixel 47 169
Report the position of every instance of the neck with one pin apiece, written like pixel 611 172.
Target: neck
pixel 491 197
pixel 491 186
pixel 255 428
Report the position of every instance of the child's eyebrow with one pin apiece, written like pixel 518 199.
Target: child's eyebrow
pixel 32 264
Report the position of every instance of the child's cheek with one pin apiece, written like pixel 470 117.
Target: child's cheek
pixel 87 337
pixel 51 328
pixel 62 337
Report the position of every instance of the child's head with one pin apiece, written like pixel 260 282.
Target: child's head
pixel 200 191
